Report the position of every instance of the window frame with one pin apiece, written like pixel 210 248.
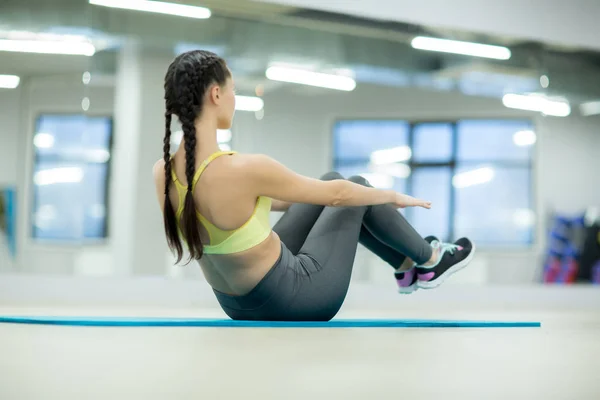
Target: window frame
pixel 36 241
pixel 453 163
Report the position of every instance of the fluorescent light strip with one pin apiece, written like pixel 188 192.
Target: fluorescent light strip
pixel 379 181
pixel 392 155
pixel 524 138
pixel 397 170
pixel 303 77
pixel 158 7
pixel 48 47
pixel 9 81
pixel 473 178
pixel 43 140
pixel 464 48
pixel 58 175
pixel 537 103
pixel 590 108
pixel 248 103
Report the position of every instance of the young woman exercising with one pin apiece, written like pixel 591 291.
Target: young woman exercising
pixel 217 204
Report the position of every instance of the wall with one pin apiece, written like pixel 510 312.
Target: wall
pixel 569 162
pixel 296 130
pixel 61 94
pixel 9 145
pixel 9 129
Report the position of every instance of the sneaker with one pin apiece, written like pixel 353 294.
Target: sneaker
pixel 407 280
pixel 453 258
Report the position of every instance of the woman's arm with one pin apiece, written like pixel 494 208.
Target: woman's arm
pixel 267 177
pixel 278 205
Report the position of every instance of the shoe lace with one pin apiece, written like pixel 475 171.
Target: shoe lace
pixel 450 248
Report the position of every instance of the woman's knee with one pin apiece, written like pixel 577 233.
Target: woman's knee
pixel 331 176
pixel 360 180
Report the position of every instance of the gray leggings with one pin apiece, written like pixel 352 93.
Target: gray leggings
pixel 310 280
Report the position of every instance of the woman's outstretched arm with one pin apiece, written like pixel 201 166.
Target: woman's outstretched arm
pixel 279 205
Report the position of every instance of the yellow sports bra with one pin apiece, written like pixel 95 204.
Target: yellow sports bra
pixel 252 233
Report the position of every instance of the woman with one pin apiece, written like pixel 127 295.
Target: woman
pixel 218 203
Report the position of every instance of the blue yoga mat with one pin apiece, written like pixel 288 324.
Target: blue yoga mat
pixel 227 323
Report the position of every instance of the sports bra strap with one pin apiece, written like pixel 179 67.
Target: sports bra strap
pixel 205 163
pixel 201 168
pixel 173 174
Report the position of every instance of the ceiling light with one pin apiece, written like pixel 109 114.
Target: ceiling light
pixel 397 170
pixel 590 108
pixel 9 81
pixel 379 181
pixel 43 141
pixel 158 7
pixel 310 78
pixel 524 138
pixel 393 155
pixel 86 78
pixel 464 48
pixel 472 178
pixel 556 108
pixel 58 175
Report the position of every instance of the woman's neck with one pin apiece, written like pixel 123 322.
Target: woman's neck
pixel 206 139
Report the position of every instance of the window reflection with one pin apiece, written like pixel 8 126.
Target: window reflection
pixel 477 173
pixel 70 177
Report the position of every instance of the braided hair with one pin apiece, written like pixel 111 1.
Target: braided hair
pixel 186 82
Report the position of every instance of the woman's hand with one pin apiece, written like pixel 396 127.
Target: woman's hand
pixel 403 201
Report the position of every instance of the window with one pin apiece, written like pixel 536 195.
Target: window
pixel 70 177
pixel 477 173
pixel 493 186
pixel 365 148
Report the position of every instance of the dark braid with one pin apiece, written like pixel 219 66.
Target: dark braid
pixel 186 82
pixel 187 116
pixel 169 214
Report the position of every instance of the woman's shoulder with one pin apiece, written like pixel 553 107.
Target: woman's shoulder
pixel 241 164
pixel 248 162
pixel 158 171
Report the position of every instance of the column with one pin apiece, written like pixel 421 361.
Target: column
pixel 136 229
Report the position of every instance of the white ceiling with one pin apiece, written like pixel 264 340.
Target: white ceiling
pixel 260 32
pixel 573 23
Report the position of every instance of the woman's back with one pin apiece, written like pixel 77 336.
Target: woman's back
pixel 240 247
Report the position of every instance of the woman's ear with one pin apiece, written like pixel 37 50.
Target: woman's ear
pixel 215 94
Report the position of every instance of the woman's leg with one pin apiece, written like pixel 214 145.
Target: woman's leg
pixel 435 263
pixel 327 258
pixel 329 250
pixel 295 225
pixel 388 226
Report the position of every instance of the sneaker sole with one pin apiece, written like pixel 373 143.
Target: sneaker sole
pixel 408 289
pixel 452 270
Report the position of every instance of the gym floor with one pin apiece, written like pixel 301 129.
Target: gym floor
pixel 558 361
